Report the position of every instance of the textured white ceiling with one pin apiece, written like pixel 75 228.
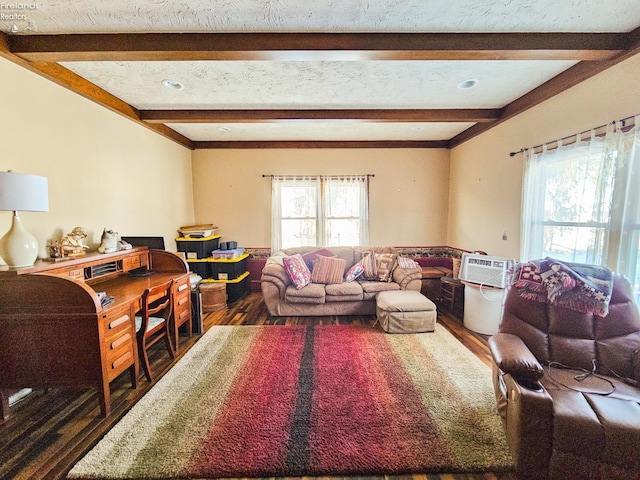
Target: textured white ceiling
pixel 334 131
pixel 85 16
pixel 246 85
pixel 318 85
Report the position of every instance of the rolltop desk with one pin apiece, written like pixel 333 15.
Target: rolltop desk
pixel 54 331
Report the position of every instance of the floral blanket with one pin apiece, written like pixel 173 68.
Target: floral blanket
pixel 579 287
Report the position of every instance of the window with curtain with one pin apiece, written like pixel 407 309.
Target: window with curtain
pixel 581 201
pixel 322 211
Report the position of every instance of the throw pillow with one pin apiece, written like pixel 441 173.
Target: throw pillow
pixel 310 257
pixel 297 270
pixel 328 270
pixel 406 262
pixel 369 263
pixel 385 263
pixel 354 272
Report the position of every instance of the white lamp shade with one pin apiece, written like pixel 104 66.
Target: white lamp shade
pixel 22 192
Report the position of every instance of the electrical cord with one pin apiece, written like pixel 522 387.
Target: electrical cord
pixel 580 377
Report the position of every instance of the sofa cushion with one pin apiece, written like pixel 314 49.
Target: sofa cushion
pixel 372 287
pixel 297 270
pixel 328 270
pixel 385 263
pixel 312 293
pixel 343 292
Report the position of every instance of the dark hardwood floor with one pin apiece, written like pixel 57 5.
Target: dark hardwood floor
pixel 49 431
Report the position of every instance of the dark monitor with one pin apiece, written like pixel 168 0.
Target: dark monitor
pixel 151 242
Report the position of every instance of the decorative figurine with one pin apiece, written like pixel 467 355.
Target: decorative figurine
pixel 111 242
pixel 72 244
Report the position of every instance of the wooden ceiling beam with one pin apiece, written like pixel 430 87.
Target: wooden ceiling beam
pixel 565 80
pixel 317 46
pixel 321 144
pixel 356 115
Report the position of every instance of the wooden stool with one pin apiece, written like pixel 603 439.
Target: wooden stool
pixel 452 294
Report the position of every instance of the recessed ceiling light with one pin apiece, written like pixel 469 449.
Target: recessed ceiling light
pixel 468 84
pixel 224 129
pixel 172 84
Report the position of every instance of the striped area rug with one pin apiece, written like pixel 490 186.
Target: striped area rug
pixel 264 401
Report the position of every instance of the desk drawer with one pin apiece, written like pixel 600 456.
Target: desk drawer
pixel 133 262
pixel 182 306
pixel 72 272
pixel 119 344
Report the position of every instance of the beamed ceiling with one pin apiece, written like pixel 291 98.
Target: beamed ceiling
pixel 339 73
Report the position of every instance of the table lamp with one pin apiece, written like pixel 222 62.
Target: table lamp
pixel 19 191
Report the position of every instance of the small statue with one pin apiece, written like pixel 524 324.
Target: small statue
pixel 111 242
pixel 72 244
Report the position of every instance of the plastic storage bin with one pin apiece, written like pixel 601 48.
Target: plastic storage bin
pixel 196 248
pixel 236 288
pixel 201 267
pixel 223 269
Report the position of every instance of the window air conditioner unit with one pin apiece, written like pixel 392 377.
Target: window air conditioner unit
pixel 485 269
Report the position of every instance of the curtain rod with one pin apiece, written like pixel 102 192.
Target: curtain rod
pixel 513 154
pixel 321 176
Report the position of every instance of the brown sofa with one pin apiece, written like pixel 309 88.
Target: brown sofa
pixel 348 298
pixel 555 429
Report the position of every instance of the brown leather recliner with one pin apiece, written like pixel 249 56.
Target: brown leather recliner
pixel 566 423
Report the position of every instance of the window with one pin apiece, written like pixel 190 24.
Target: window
pixel 581 202
pixel 322 211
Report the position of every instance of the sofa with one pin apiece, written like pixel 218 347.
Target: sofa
pixel 567 386
pixel 339 296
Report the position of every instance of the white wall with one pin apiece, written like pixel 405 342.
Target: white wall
pixel 486 183
pixel 407 197
pixel 103 169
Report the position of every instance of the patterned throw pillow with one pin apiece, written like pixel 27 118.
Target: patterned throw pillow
pixel 369 263
pixel 328 270
pixel 385 263
pixel 297 270
pixel 354 272
pixel 406 262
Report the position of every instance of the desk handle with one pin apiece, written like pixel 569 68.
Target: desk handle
pixel 118 321
pixel 123 339
pixel 120 360
pixel 182 301
pixel 184 314
pixel 182 287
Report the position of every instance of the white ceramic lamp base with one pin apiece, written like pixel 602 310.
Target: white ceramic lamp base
pixel 18 248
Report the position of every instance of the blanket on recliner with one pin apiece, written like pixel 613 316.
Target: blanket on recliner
pixel 580 287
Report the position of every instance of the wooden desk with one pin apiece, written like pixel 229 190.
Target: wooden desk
pixel 54 332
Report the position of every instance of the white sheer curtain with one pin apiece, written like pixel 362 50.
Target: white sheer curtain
pixel 319 210
pixel 581 201
pixel 346 211
pixel 295 207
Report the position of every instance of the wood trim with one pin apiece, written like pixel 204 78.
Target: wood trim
pixel 70 80
pixel 565 80
pixel 318 46
pixel 373 115
pixel 322 144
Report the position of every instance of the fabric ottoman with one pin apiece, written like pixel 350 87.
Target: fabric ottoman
pixel 405 311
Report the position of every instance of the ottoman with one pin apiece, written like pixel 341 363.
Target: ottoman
pixel 405 311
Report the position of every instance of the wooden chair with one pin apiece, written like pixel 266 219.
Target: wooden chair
pixel 153 322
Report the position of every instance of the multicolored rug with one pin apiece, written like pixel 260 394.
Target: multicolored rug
pixel 264 401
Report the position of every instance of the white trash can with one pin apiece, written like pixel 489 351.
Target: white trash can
pixel 482 308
